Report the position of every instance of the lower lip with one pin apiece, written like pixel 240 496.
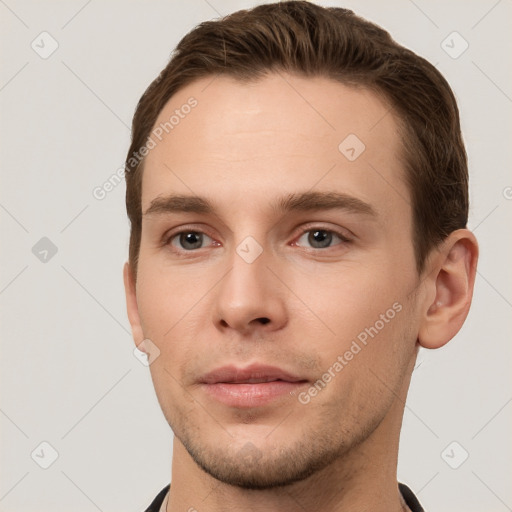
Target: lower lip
pixel 251 395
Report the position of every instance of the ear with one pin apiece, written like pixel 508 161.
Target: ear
pixel 451 271
pixel 131 305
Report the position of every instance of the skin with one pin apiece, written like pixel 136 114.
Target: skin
pixel 242 147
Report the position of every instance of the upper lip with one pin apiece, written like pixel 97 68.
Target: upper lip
pixel 252 374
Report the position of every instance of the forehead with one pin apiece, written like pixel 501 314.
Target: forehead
pixel 217 137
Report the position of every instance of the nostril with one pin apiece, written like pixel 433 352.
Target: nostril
pixel 264 320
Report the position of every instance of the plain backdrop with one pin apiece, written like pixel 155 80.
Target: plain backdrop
pixel 69 378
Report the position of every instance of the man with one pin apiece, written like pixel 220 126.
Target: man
pixel 297 191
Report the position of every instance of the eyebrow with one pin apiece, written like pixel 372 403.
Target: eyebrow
pixel 298 202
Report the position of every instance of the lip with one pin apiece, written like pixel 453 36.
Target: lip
pixel 252 386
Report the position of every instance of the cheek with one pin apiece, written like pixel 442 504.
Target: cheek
pixel 174 318
pixel 363 372
pixel 153 301
pixel 164 296
pixel 351 300
pixel 370 328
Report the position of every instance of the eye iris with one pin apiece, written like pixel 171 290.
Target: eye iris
pixel 193 238
pixel 319 238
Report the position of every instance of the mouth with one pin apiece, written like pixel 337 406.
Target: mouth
pixel 253 386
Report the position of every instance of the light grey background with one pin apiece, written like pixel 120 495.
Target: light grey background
pixel 68 373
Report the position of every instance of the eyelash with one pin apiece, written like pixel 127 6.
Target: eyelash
pixel 344 239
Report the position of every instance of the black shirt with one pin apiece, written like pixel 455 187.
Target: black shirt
pixel 408 495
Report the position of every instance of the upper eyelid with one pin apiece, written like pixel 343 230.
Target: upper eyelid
pixel 343 232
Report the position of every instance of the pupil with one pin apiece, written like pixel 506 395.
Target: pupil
pixel 191 238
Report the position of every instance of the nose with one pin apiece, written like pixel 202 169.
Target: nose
pixel 250 297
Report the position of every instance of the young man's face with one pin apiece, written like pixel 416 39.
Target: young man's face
pixel 328 297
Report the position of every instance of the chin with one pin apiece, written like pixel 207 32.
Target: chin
pixel 250 467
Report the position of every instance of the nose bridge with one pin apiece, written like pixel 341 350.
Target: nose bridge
pixel 249 266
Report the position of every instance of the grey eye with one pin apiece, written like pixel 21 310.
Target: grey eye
pixel 319 238
pixel 189 240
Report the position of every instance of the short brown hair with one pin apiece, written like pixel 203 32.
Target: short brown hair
pixel 306 39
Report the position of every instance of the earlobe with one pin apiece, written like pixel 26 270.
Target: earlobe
pixel 453 271
pixel 132 308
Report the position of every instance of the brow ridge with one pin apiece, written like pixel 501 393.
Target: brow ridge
pixel 301 201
